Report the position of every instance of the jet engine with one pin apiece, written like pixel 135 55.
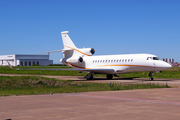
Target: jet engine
pixel 92 51
pixel 75 60
pixel 85 51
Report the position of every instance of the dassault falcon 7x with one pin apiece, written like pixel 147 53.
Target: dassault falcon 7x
pixel 111 65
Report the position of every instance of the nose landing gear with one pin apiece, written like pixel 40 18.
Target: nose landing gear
pixel 150 75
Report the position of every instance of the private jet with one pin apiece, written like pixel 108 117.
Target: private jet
pixel 82 60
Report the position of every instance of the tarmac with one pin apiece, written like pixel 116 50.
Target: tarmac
pixel 144 104
pixel 171 82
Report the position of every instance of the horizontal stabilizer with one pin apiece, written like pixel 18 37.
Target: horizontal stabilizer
pixel 57 51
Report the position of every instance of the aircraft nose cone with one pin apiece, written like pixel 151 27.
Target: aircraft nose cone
pixel 163 65
pixel 167 65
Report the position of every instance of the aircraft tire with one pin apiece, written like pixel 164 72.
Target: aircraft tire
pixel 90 78
pixel 109 76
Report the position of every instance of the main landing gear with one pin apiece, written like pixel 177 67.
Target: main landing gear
pixel 89 76
pixel 109 76
pixel 150 75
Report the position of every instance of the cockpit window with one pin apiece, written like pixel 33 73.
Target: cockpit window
pixel 155 58
pixel 152 58
pixel 149 58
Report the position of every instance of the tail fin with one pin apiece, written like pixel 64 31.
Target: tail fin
pixel 68 44
pixel 70 50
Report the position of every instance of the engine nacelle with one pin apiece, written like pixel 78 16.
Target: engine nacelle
pixel 75 60
pixel 86 51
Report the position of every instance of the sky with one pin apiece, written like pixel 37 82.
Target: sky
pixel 108 26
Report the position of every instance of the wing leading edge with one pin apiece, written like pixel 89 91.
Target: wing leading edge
pixel 103 71
pixel 81 70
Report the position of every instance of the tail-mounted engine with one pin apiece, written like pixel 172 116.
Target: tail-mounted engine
pixel 75 56
pixel 85 51
pixel 92 51
pixel 75 60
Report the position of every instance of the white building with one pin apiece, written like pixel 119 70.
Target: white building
pixel 25 60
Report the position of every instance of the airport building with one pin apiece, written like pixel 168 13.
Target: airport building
pixel 24 60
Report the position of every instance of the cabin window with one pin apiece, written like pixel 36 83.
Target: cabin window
pixel 122 60
pixel 131 60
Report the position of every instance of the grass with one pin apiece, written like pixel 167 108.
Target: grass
pixel 7 70
pixel 171 73
pixel 28 85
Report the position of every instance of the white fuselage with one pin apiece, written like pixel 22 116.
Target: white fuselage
pixel 120 63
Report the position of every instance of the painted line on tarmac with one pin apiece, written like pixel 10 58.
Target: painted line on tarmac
pixel 125 99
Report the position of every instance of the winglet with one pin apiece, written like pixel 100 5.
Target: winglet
pixel 10 65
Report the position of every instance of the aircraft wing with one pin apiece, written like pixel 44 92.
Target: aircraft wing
pixel 82 70
pixel 46 69
pixel 100 71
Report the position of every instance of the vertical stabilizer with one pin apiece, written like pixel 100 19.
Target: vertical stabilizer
pixel 68 44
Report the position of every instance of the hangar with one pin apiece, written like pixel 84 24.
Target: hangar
pixel 24 60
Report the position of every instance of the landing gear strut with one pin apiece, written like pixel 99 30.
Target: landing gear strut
pixel 150 75
pixel 89 76
pixel 109 76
